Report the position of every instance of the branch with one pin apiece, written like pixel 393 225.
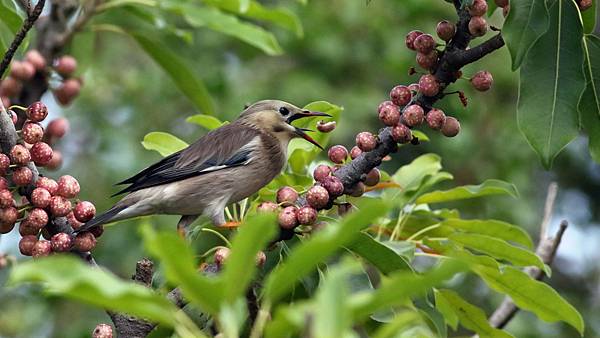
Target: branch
pixel 21 34
pixel 478 52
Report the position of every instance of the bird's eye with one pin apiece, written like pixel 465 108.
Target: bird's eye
pixel 284 111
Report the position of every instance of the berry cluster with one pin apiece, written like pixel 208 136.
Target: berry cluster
pixel 44 199
pixel 35 65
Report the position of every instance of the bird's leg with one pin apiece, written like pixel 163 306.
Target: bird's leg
pixel 184 222
pixel 230 224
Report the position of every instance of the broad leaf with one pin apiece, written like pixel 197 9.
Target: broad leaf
pixel 383 257
pixel 164 143
pixel 526 22
pixel 490 227
pixel 532 295
pixel 205 121
pixel 489 187
pixel 446 309
pixel 469 315
pixel 69 277
pixel 410 176
pixel 589 105
pixel 589 18
pixel 551 84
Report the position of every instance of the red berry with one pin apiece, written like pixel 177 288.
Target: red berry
pixel 36 59
pixel 75 224
pixel 389 114
pixel 383 104
pixel 410 39
pixel 37 111
pixel 59 206
pixel 69 89
pixel 355 151
pixel 3 183
pixel 504 3
pixel 6 199
pixel 306 215
pixel 22 70
pixel 20 155
pixel 22 176
pixel 61 242
pixel 344 208
pixel 446 30
pixel 357 190
pixel 97 231
pixel 506 9
pixel 68 186
pixel 26 245
pixel 435 119
pixel 317 197
pixel 41 153
pixel 424 43
pixel 13 116
pixel 37 218
pixel 337 154
pixel 478 26
pixel 261 258
pixel 40 197
pixel 401 134
pixel 56 160
pixel 84 211
pixel 32 132
pixel 326 127
pixel 287 218
pixel 58 127
pixel 4 164
pixel 414 87
pixel 400 95
pixel 427 61
pixel 8 220
pixel 366 141
pixel 85 241
pixel 429 85
pixel 321 172
pixel 26 229
pixel 478 8
pixel 334 186
pixel 482 80
pixel 10 87
pixel 65 65
pixel 41 248
pixel 286 196
pixel 103 331
pixel 267 207
pixel 48 184
pixel 413 115
pixel 373 177
pixel 451 127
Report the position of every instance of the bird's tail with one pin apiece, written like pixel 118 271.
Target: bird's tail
pixel 106 217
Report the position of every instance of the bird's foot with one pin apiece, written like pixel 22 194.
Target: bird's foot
pixel 230 224
pixel 182 233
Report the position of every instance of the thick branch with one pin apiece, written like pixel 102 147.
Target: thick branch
pixel 476 53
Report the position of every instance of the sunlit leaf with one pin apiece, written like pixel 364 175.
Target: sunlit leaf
pixel 489 187
pixel 164 143
pixel 205 121
pixel 527 20
pixel 494 228
pixel 589 105
pixel 410 176
pixel 444 307
pixel 378 254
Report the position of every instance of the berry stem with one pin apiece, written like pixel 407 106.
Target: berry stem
pixel 18 107
pixel 218 234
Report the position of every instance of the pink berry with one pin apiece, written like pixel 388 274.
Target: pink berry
pixel 68 186
pixel 478 26
pixel 366 141
pixel 482 80
pixel 357 190
pixel 267 207
pixel 326 127
pixel 389 114
pixel 451 127
pixel 48 184
pixel 424 43
pixel 37 111
pixel 401 134
pixel 58 127
pixel 435 119
pixel 22 70
pixel 10 87
pixel 373 177
pixel 75 224
pixel 26 229
pixel 19 155
pixel 355 151
pixel 32 132
pixel 61 242
pixel 413 115
pixel 429 85
pixel 478 8
pixel 383 104
pixel 306 215
pixel 56 160
pixel 41 153
pixel 445 30
pixel 6 199
pixel 400 95
pixel 103 331
pixel 287 218
pixel 410 39
pixel 36 59
pixel 333 185
pixel 26 245
pixel 69 89
pixel 504 3
pixel 97 231
pixel 40 197
pixel 337 154
pixel 286 196
pixel 317 197
pixel 41 248
pixel 427 61
pixel 59 206
pixel 22 176
pixel 38 218
pixel 84 211
pixel 65 65
pixel 4 164
pixel 321 172
pixel 84 241
pixel 9 215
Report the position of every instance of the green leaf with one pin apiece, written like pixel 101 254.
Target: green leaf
pixel 177 261
pixel 493 228
pixel 306 256
pixel 212 18
pixel 9 16
pixel 253 236
pixel 383 257
pixel 164 143
pixel 410 176
pixel 447 311
pixel 589 19
pixel 182 74
pixel 589 105
pixel 470 316
pixel 551 84
pixel 69 277
pixel 205 121
pixel 526 22
pixel 498 249
pixel 532 295
pixel 489 187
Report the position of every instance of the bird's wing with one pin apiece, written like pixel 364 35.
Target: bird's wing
pixel 229 146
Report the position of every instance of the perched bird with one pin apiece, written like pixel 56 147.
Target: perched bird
pixel 225 166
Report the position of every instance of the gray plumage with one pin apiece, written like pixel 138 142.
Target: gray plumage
pixel 225 166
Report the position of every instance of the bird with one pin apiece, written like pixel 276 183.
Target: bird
pixel 225 166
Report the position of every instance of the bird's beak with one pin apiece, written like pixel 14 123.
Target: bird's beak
pixel 302 133
pixel 305 113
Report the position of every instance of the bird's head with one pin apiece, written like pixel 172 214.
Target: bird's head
pixel 275 117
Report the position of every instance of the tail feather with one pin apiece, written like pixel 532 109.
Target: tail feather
pixel 104 218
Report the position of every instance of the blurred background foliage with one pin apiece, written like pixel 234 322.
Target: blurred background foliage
pixel 349 53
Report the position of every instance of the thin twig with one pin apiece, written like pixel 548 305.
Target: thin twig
pixel 548 207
